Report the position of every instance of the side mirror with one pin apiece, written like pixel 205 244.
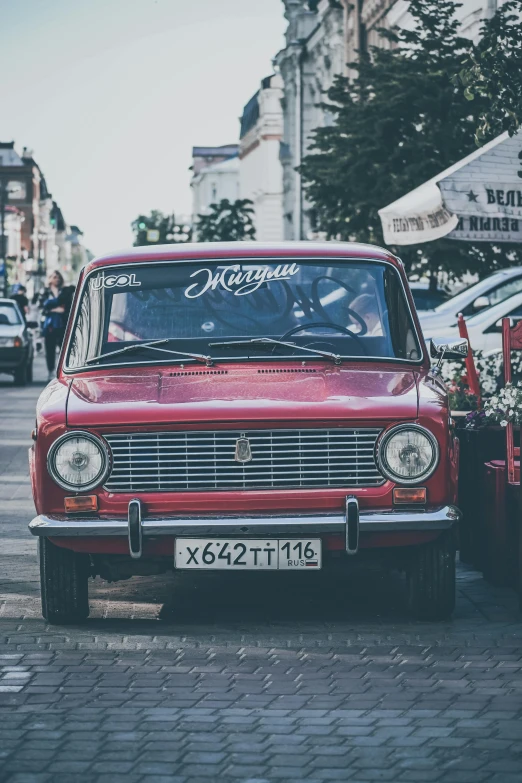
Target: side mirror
pixel 481 302
pixel 496 328
pixel 498 323
pixel 32 324
pixel 444 348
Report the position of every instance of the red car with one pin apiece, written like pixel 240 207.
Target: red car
pixel 244 407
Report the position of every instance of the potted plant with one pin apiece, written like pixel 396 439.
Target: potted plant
pixel 482 439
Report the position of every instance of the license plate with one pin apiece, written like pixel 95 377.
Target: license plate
pixel 248 554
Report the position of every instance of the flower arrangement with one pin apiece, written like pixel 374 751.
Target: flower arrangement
pixel 490 370
pixel 459 394
pixel 505 407
pixel 476 420
pixel 501 404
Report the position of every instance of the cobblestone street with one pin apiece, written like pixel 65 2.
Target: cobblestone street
pixel 307 677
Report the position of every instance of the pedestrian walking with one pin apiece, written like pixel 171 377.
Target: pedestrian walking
pixel 55 300
pixel 20 297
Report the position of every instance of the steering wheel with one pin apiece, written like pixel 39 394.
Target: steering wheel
pixel 327 325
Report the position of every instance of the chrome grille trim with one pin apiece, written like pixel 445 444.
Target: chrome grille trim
pixel 281 459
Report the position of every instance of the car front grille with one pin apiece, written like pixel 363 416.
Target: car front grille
pixel 280 459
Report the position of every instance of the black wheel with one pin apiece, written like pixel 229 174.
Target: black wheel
pixel 64 584
pixel 30 372
pixel 431 579
pixel 20 375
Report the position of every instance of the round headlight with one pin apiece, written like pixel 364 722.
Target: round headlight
pixel 78 461
pixel 408 454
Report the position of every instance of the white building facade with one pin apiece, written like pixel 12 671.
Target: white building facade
pixel 314 54
pixel 216 177
pixel 260 168
pixel 13 219
pixel 38 239
pixel 322 37
pixel 390 13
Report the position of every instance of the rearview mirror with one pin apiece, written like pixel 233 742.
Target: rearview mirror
pixel 481 302
pixel 447 348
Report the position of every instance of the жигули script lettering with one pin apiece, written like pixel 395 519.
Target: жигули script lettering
pixel 236 281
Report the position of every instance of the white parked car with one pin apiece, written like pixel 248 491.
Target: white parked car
pixel 491 291
pixel 16 345
pixel 484 328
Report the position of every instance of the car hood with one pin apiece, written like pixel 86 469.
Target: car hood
pixel 232 393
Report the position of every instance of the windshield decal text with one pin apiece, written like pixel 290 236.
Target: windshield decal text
pixel 236 281
pixel 115 281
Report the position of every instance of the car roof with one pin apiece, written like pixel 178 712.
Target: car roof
pixel 511 271
pixel 419 286
pixel 8 302
pixel 193 251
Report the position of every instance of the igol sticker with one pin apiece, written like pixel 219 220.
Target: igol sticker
pixel 123 280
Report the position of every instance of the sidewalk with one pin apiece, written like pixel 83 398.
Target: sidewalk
pixel 186 679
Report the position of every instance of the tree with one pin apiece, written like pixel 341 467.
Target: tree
pixel 159 229
pixel 493 71
pixel 227 221
pixel 399 122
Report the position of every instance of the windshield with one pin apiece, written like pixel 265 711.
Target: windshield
pixel 350 308
pixel 9 315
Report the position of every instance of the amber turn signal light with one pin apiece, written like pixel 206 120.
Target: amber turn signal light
pixel 409 495
pixel 81 503
pixel 17 342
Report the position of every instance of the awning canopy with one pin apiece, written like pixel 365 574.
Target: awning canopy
pixel 478 199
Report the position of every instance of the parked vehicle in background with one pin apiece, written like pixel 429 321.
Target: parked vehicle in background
pixel 426 298
pixel 16 345
pixel 490 291
pixel 484 328
pixel 244 407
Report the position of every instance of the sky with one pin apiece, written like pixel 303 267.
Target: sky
pixel 111 95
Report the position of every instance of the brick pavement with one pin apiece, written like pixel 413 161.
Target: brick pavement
pixel 315 678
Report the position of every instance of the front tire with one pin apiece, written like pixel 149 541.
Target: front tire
pixel 431 579
pixel 64 584
pixel 20 375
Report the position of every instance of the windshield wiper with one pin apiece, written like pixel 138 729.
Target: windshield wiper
pixel 270 341
pixel 154 347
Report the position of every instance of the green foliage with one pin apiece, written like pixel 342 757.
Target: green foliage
pixel 399 122
pixel 169 231
pixel 227 221
pixel 493 71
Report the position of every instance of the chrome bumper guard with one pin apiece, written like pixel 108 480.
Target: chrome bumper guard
pixel 350 525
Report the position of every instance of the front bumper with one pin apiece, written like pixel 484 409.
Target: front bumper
pixel 350 524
